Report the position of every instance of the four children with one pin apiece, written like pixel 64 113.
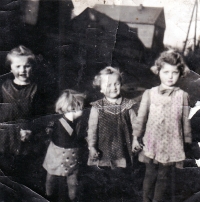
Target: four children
pixel 113 128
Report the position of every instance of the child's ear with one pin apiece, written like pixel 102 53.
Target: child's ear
pixel 154 69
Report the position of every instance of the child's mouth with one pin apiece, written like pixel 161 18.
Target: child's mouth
pixel 22 75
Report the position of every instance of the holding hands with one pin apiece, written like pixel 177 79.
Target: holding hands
pixel 136 146
pixel 94 154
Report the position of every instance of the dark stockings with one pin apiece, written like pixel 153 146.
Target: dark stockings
pixel 155 182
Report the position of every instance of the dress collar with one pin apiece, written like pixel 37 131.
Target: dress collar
pixel 66 119
pixel 117 102
pixel 166 91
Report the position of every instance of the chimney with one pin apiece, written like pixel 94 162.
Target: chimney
pixel 140 7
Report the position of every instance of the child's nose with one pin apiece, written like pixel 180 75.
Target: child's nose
pixel 170 75
pixel 113 87
pixel 22 68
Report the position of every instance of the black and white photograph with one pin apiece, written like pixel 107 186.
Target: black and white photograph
pixel 100 101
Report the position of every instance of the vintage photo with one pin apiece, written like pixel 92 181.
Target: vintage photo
pixel 99 101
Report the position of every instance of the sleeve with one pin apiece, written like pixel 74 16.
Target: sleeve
pixel 132 117
pixel 140 122
pixel 2 107
pixel 92 127
pixel 185 120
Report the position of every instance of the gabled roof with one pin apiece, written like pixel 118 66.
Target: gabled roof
pixel 134 14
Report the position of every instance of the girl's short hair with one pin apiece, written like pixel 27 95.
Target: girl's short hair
pixel 173 58
pixel 69 100
pixel 106 71
pixel 20 51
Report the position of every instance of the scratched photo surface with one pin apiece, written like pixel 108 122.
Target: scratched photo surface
pixel 69 42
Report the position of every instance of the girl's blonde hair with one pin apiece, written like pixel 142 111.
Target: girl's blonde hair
pixel 69 100
pixel 173 58
pixel 20 51
pixel 106 71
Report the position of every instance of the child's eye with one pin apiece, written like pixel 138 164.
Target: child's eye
pixel 27 66
pixel 73 109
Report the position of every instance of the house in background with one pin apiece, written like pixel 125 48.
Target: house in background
pixel 147 22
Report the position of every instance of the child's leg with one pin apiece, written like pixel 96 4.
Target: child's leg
pixel 51 184
pixel 149 181
pixel 72 182
pixel 121 184
pixel 56 189
pixel 163 179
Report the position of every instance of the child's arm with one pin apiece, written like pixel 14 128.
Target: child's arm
pixel 136 146
pixel 185 119
pixel 92 132
pixel 139 124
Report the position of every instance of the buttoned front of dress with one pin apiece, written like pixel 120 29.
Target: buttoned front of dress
pixel 60 161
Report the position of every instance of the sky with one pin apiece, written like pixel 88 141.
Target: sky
pixel 177 16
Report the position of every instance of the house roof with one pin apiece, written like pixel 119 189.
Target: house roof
pixel 134 14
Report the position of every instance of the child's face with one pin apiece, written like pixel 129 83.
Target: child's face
pixel 77 114
pixel 169 75
pixel 21 69
pixel 110 85
pixel 72 115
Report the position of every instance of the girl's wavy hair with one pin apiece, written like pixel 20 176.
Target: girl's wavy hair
pixel 107 71
pixel 69 100
pixel 173 58
pixel 21 51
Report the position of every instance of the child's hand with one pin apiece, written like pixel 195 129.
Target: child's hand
pixel 136 146
pixel 48 131
pixel 25 134
pixel 94 155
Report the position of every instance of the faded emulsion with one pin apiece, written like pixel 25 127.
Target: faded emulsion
pixel 70 50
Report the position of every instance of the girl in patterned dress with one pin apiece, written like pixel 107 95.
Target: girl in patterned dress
pixel 110 125
pixel 163 117
pixel 61 160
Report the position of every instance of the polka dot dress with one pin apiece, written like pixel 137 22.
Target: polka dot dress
pixel 163 138
pixel 114 132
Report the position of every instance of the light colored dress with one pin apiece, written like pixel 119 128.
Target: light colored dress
pixel 164 112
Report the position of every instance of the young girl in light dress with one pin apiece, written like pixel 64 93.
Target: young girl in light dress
pixel 163 117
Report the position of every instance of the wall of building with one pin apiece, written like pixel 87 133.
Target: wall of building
pixel 145 33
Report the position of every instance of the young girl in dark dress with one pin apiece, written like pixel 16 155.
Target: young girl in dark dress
pixel 20 102
pixel 110 128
